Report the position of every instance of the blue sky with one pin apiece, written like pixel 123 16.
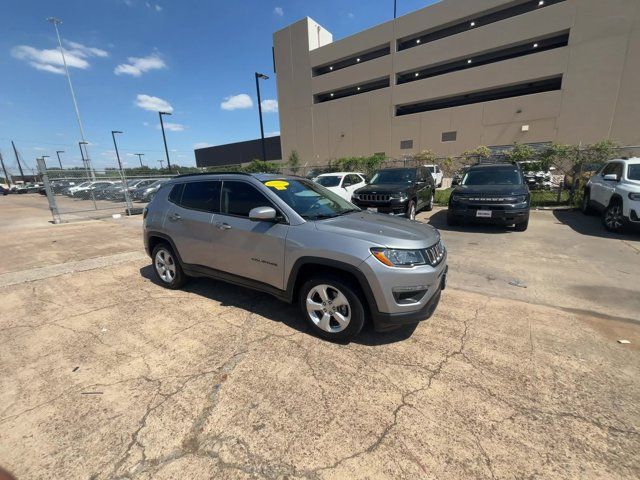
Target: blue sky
pixel 131 57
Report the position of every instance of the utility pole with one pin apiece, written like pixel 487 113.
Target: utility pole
pixel 394 8
pixel 58 152
pixel 161 162
pixel 55 22
pixel 164 137
pixel 6 175
pixel 263 77
pixel 15 151
pixel 140 158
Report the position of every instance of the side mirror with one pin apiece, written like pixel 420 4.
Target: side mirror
pixel 262 214
pixel 611 177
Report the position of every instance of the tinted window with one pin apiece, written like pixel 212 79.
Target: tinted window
pixel 238 198
pixel 176 193
pixel 204 196
pixel 329 181
pixel 633 172
pixel 355 179
pixel 400 175
pixel 492 176
pixel 613 168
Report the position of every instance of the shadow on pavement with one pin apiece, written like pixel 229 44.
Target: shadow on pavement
pixel 591 225
pixel 439 220
pixel 267 306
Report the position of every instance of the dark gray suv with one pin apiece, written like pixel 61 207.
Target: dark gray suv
pixel 298 241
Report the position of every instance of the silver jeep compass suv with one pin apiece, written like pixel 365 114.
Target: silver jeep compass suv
pixel 298 241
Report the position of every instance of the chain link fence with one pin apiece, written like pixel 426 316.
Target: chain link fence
pixel 83 194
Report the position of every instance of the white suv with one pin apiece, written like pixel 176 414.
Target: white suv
pixel 436 173
pixel 614 190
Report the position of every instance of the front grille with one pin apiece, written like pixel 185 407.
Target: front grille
pixel 374 197
pixel 435 253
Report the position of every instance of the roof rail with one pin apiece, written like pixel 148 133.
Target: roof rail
pixel 210 173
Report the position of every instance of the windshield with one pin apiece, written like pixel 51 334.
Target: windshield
pixel 309 200
pixel 633 172
pixel 398 175
pixel 329 181
pixel 493 176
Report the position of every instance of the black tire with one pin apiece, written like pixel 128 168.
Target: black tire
pixel 586 208
pixel 172 277
pixel 431 202
pixel 522 226
pixel 612 218
pixel 312 290
pixel 411 210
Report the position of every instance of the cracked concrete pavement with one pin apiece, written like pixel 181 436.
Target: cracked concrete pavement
pixel 104 374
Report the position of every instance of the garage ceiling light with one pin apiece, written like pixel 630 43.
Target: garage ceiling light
pixel 330 68
pixel 417 74
pixel 357 59
pixel 469 61
pixel 332 94
pixel 473 24
pixel 535 45
pixel 418 40
pixel 358 88
pixel 541 3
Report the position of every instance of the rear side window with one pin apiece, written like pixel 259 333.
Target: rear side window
pixel 204 196
pixel 238 198
pixel 176 194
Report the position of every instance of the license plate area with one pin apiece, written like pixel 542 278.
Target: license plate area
pixel 372 209
pixel 483 213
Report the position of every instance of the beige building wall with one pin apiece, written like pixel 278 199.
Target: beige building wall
pixel 599 98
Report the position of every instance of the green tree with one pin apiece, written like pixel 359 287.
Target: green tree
pixel 520 152
pixel 294 162
pixel 259 166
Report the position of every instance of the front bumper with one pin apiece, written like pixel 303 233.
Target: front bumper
pixel 384 322
pixel 398 207
pixel 499 214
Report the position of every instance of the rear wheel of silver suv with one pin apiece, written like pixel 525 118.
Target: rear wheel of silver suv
pixel 167 267
pixel 332 307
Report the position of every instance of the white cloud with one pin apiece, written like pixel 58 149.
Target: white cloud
pixel 158 8
pixel 269 106
pixel 172 127
pixel 50 59
pixel 201 145
pixel 139 65
pixel 350 15
pixel 235 102
pixel 153 104
pixel 146 124
pixel 273 134
pixel 278 11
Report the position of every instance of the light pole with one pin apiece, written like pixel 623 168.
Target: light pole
pixel 58 152
pixel 113 135
pixel 140 158
pixel 55 22
pixel 44 161
pixel 263 77
pixel 394 8
pixel 161 162
pixel 164 137
pixel 84 160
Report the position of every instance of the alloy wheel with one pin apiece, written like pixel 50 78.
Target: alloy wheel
pixel 328 308
pixel 165 265
pixel 613 217
pixel 412 212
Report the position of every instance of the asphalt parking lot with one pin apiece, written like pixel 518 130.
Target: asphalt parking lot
pixel 519 374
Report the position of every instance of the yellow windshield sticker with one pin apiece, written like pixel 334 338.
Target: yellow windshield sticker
pixel 277 184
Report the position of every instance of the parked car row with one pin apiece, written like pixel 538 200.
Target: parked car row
pixel 141 190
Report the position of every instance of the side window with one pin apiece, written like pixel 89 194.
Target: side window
pixel 176 193
pixel 423 175
pixel 618 169
pixel 238 198
pixel 204 196
pixel 608 168
pixel 346 181
pixel 355 179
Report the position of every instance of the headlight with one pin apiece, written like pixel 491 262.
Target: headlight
pixel 398 258
pixel 634 196
pixel 398 196
pixel 456 198
pixel 520 198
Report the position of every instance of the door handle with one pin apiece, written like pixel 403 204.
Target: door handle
pixel 175 216
pixel 223 226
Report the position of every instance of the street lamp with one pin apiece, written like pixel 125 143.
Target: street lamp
pixel 164 137
pixel 55 22
pixel 113 135
pixel 140 158
pixel 263 77
pixel 58 152
pixel 84 160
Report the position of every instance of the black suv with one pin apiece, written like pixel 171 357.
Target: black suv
pixel 398 191
pixel 494 193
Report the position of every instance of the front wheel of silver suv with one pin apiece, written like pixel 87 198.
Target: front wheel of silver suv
pixel 332 307
pixel 167 267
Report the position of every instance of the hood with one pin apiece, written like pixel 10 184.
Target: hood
pixel 491 189
pixel 381 229
pixel 386 188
